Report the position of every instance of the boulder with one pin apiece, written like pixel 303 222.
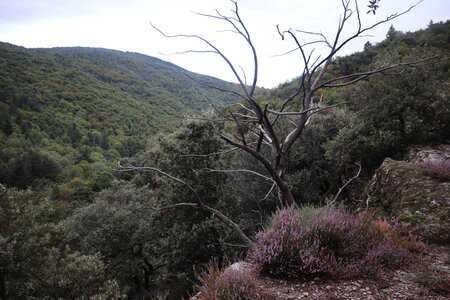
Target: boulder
pixel 409 191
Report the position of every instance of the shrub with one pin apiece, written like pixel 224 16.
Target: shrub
pixel 401 236
pixel 439 170
pixel 228 283
pixel 306 242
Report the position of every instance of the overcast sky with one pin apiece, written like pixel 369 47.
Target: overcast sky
pixel 125 25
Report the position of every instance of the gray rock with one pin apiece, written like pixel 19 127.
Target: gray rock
pixel 401 187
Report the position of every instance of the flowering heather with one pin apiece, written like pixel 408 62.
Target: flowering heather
pixel 228 283
pixel 309 242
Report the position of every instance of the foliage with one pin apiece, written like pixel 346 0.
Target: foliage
pixel 32 165
pixel 61 107
pixel 186 228
pixel 228 283
pixel 308 242
pixel 310 175
pixel 33 263
pixel 147 246
pixel 102 181
pixel 385 114
pixel 124 235
pixel 391 113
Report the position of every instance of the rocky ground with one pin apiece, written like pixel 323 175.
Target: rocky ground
pixel 428 278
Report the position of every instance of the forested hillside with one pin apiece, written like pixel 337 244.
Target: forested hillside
pixel 73 225
pixel 68 113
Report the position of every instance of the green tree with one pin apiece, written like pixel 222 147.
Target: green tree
pixel 33 261
pixel 75 134
pixel 116 226
pixel 192 234
pixel 31 165
pixel 392 33
pixel 393 112
pixel 104 140
pixel 102 181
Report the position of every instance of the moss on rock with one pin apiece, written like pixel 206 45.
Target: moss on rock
pixel 402 190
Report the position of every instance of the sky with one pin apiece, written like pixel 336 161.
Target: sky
pixel 126 25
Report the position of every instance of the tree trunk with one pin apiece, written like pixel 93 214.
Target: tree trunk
pixel 288 198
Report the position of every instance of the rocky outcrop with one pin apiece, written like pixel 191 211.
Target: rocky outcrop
pixel 416 191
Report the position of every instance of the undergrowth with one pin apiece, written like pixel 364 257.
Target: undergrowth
pixel 307 242
pixel 227 283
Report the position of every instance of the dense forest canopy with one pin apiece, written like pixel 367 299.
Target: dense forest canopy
pixel 68 115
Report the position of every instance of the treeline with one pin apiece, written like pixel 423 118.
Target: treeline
pixel 124 247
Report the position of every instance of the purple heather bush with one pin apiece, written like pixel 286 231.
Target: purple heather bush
pixel 307 242
pixel 227 283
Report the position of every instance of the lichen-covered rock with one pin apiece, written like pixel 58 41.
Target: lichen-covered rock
pixel 404 190
pixel 428 154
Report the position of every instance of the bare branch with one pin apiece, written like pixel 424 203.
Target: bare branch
pixel 210 154
pixel 317 110
pixel 168 207
pixel 241 132
pixel 268 193
pixel 360 31
pixel 215 49
pixel 200 205
pixel 299 46
pixel 187 52
pixel 363 75
pixel 197 118
pixel 260 141
pixel 242 171
pixel 216 109
pixel 233 226
pixel 295 49
pixel 313 110
pixel 214 87
pixel 121 168
pixel 243 73
pixel 244 107
pixel 343 187
pixel 233 245
pixel 316 33
pixel 245 116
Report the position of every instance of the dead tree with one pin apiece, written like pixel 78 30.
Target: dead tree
pixel 256 126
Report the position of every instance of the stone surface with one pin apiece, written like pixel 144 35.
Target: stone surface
pixel 428 154
pixel 402 189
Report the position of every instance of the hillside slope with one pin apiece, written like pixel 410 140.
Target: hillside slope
pixel 101 84
pixel 61 107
